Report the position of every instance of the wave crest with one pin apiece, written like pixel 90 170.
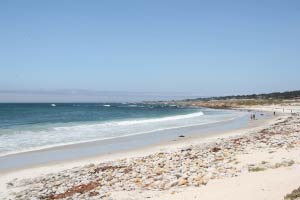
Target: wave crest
pixel 132 122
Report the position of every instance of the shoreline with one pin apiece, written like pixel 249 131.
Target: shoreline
pixel 136 152
pixel 132 143
pixel 200 134
pixel 39 170
pixel 91 141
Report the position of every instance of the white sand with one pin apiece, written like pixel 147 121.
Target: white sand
pixel 267 185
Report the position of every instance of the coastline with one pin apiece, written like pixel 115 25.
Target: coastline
pixel 132 144
pixel 92 149
pixel 170 146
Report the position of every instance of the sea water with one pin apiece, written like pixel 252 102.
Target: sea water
pixel 27 127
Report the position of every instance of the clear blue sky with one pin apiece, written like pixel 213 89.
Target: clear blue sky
pixel 203 47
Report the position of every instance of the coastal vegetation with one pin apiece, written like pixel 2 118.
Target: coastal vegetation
pixel 290 95
pixel 235 101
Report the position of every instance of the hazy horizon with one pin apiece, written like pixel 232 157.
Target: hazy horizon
pixel 88 96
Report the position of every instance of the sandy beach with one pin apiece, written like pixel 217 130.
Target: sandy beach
pixel 149 100
pixel 260 161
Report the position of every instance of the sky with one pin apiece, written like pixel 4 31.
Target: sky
pixel 204 48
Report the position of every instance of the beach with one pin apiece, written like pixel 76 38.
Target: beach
pixel 149 100
pixel 258 161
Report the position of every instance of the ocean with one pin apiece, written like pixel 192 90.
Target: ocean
pixel 27 127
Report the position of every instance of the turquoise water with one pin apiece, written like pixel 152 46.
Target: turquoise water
pixel 26 127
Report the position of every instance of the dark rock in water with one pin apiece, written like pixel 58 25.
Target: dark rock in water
pixel 261 114
pixel 181 136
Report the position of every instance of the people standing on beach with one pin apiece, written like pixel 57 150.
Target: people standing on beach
pixel 274 113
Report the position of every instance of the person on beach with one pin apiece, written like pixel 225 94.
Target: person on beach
pixel 274 113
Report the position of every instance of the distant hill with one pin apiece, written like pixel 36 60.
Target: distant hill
pixel 274 95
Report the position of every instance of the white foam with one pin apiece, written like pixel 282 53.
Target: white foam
pixel 163 119
pixel 72 134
